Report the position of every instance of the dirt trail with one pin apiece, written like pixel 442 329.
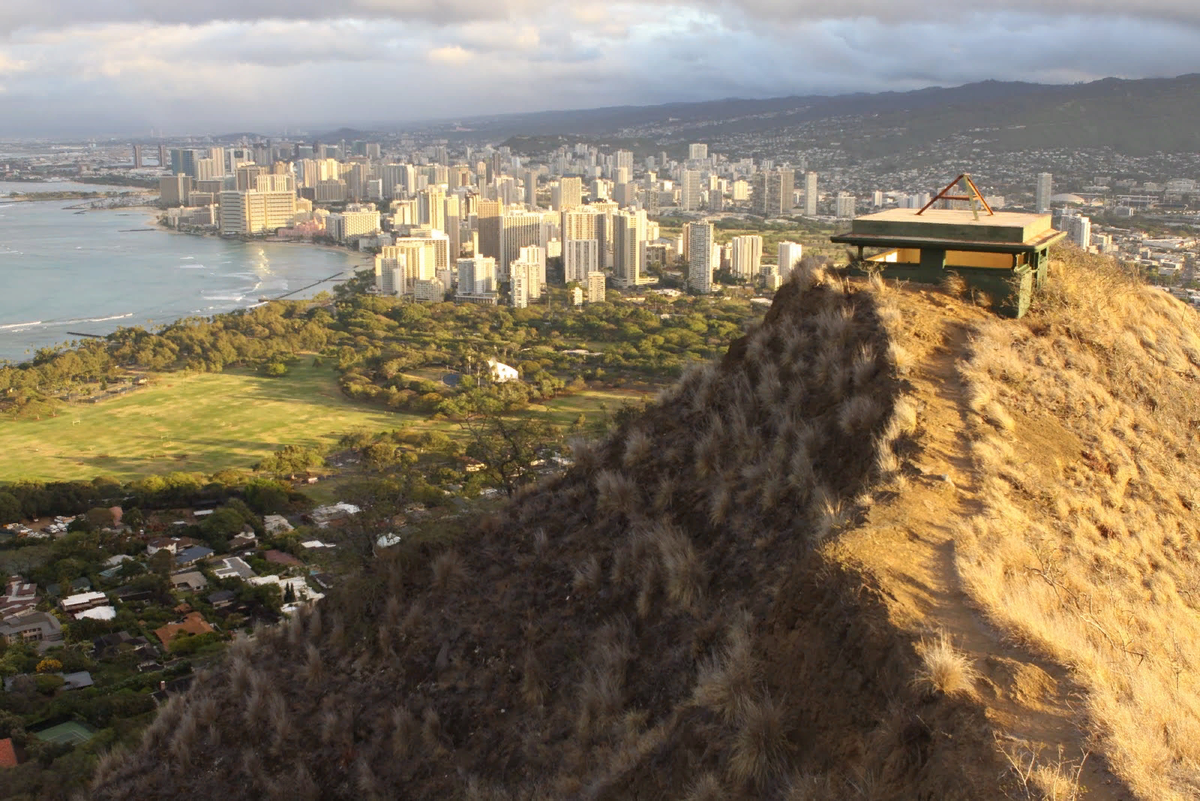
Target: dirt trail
pixel 908 541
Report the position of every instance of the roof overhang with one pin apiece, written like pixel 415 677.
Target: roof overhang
pixel 925 243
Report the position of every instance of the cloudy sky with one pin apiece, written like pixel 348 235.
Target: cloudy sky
pixel 127 66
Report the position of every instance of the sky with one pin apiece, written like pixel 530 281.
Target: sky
pixel 132 66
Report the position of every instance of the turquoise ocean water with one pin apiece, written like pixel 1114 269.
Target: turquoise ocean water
pixel 62 271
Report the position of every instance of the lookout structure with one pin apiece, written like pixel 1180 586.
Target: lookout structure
pixel 1004 254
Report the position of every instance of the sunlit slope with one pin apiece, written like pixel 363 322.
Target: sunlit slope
pixel 809 571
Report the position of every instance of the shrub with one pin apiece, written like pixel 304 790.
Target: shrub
pixel 944 670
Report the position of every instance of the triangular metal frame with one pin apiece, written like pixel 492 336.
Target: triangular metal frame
pixel 975 195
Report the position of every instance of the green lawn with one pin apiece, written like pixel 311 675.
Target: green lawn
pixel 192 423
pixel 211 421
pixel 566 409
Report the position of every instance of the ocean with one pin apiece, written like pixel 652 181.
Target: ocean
pixel 62 271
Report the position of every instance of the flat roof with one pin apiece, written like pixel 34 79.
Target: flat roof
pixel 952 229
pixel 954 225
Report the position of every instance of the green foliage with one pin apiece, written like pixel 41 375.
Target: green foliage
pixel 291 459
pixel 48 685
pixel 222 525
pixel 184 644
pixel 10 508
pixel 266 497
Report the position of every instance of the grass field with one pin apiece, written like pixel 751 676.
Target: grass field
pixel 200 423
pixel 208 422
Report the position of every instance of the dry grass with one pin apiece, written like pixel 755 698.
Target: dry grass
pixel 760 745
pixel 449 572
pixel 625 630
pixel 944 670
pixel 1086 443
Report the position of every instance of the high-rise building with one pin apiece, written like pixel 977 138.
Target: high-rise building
pixel 789 254
pixel 568 194
pixel 1079 231
pixel 256 212
pixel 453 222
pixel 174 190
pixel 689 189
pixel 522 277
pixel 845 206
pixel 596 288
pixel 700 246
pixel 415 256
pixel 530 181
pixel 1042 195
pixel 581 223
pixel 247 176
pixel 535 255
pixel 477 276
pixel 354 221
pixel 629 247
pixel 697 152
pixel 330 191
pixel 441 249
pixel 773 192
pixel 518 229
pixel 137 157
pixel 431 207
pixel 623 159
pixel 810 194
pixel 580 257
pixel 746 258
pixel 604 229
pixel 488 223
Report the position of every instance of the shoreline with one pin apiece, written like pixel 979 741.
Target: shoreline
pixel 158 225
pixel 149 219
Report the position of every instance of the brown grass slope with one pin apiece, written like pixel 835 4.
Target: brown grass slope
pixel 684 614
pixel 1085 422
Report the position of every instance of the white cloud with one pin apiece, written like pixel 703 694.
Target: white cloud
pixel 226 65
pixel 451 54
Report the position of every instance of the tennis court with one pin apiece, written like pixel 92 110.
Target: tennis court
pixel 69 733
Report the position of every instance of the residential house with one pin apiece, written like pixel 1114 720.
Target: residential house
pixel 172 544
pixel 192 581
pixel 222 598
pixel 501 372
pixel 232 567
pixel 19 595
pixel 83 601
pixel 76 681
pixel 281 558
pixel 192 555
pixel 193 623
pixel 30 625
pixel 276 524
pixel 243 541
pixel 10 755
pixel 322 516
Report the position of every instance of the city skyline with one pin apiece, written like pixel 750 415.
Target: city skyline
pixel 67 67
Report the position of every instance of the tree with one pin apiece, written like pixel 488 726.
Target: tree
pixel 10 508
pixel 49 665
pixel 162 561
pixel 507 443
pixel 266 497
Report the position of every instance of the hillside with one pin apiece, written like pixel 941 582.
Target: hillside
pixel 1004 116
pixel 891 546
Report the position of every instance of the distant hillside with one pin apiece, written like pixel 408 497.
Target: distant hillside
pixel 1134 117
pixel 890 547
